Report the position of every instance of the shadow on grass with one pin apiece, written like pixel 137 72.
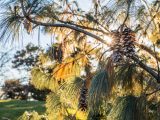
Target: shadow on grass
pixel 15 108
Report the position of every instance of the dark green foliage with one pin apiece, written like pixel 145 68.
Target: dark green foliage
pixel 103 112
pixel 127 108
pixel 154 110
pixel 95 116
pixel 99 92
pixel 90 18
pixel 100 87
pixel 124 75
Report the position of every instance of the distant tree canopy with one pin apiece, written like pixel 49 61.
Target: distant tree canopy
pixel 13 89
pixel 26 58
pixel 103 63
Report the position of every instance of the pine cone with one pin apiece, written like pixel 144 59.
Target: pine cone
pixel 83 104
pixel 123 45
pixel 55 51
pixel 58 54
pixel 117 45
pixel 128 39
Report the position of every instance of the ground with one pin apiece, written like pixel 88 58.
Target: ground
pixel 12 109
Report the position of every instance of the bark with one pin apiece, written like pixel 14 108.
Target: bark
pixel 151 52
pixel 146 68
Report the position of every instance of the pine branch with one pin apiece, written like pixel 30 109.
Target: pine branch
pixel 76 28
pixel 153 92
pixel 156 60
pixel 73 27
pixel 152 19
pixel 147 49
pixel 146 68
pixel 74 60
pixel 83 27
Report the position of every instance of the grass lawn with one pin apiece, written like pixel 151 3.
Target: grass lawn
pixel 12 109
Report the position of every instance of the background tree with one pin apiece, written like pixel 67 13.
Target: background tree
pixel 14 90
pixel 85 72
pixel 4 60
pixel 26 58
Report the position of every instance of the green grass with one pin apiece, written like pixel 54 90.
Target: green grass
pixel 15 108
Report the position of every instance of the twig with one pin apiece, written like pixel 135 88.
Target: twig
pixel 103 54
pixel 152 53
pixel 151 19
pixel 128 10
pixel 153 92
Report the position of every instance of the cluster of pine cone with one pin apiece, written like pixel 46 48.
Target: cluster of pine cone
pixel 128 39
pixel 117 51
pixel 123 45
pixel 83 98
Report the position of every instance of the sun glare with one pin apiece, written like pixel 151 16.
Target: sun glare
pixel 108 39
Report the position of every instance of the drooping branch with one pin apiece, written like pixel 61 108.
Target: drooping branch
pixel 156 60
pixel 76 28
pixel 146 68
pixel 78 25
pixel 151 52
pixel 65 25
pixel 84 27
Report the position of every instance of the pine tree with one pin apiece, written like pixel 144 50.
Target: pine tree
pixel 125 70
